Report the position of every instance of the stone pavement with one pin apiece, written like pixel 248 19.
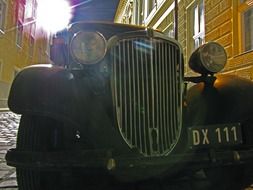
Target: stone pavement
pixel 8 132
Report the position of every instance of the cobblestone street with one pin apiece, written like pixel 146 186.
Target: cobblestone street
pixel 8 132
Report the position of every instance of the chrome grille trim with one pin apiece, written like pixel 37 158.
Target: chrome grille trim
pixel 147 97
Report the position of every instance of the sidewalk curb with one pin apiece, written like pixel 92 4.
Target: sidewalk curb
pixel 4 109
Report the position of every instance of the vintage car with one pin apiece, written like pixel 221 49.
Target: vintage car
pixel 114 111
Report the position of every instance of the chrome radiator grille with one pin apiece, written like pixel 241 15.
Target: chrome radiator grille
pixel 146 82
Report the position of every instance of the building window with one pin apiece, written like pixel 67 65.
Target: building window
pixel 169 30
pixel 33 30
pixel 148 6
pixel 159 2
pixel 196 25
pixel 2 15
pixel 248 29
pixel 1 69
pixel 29 16
pixel 31 46
pixel 29 13
pixel 246 17
pixel 128 15
pixel 19 37
pixel 142 11
pixel 151 5
pixel 20 21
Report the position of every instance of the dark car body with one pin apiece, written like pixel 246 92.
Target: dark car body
pixel 131 113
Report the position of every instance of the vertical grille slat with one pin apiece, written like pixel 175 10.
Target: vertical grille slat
pixel 156 94
pixel 130 81
pixel 166 99
pixel 142 103
pixel 160 96
pixel 177 86
pixel 169 113
pixel 174 92
pixel 134 96
pixel 146 78
pixel 139 99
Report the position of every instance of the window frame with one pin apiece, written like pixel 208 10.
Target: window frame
pixel 1 68
pixel 128 16
pixel 200 34
pixel 3 16
pixel 191 35
pixel 19 34
pixel 243 7
pixel 31 46
pixel 30 16
pixel 19 24
pixel 151 5
pixel 169 30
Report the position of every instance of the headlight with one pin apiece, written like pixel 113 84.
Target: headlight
pixel 88 47
pixel 208 59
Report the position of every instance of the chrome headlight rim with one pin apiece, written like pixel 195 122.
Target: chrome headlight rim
pixel 81 61
pixel 210 67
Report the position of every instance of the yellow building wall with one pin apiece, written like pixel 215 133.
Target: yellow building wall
pixel 222 24
pixel 13 57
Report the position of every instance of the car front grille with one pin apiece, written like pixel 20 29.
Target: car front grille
pixel 146 82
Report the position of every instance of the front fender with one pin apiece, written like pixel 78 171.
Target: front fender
pixel 79 101
pixel 44 90
pixel 229 99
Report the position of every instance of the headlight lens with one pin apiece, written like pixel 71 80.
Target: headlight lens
pixel 88 47
pixel 208 58
pixel 213 57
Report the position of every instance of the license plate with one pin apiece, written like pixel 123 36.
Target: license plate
pixel 215 135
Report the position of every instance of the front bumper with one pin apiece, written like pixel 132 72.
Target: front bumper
pixel 104 159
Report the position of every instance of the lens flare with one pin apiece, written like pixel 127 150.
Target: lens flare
pixel 53 15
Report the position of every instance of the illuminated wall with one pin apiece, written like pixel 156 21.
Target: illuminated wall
pixel 229 22
pixel 21 43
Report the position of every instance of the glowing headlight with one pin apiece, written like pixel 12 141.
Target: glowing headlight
pixel 208 58
pixel 88 47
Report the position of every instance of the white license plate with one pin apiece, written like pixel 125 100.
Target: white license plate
pixel 215 135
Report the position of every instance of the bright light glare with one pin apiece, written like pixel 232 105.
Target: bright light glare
pixel 53 15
